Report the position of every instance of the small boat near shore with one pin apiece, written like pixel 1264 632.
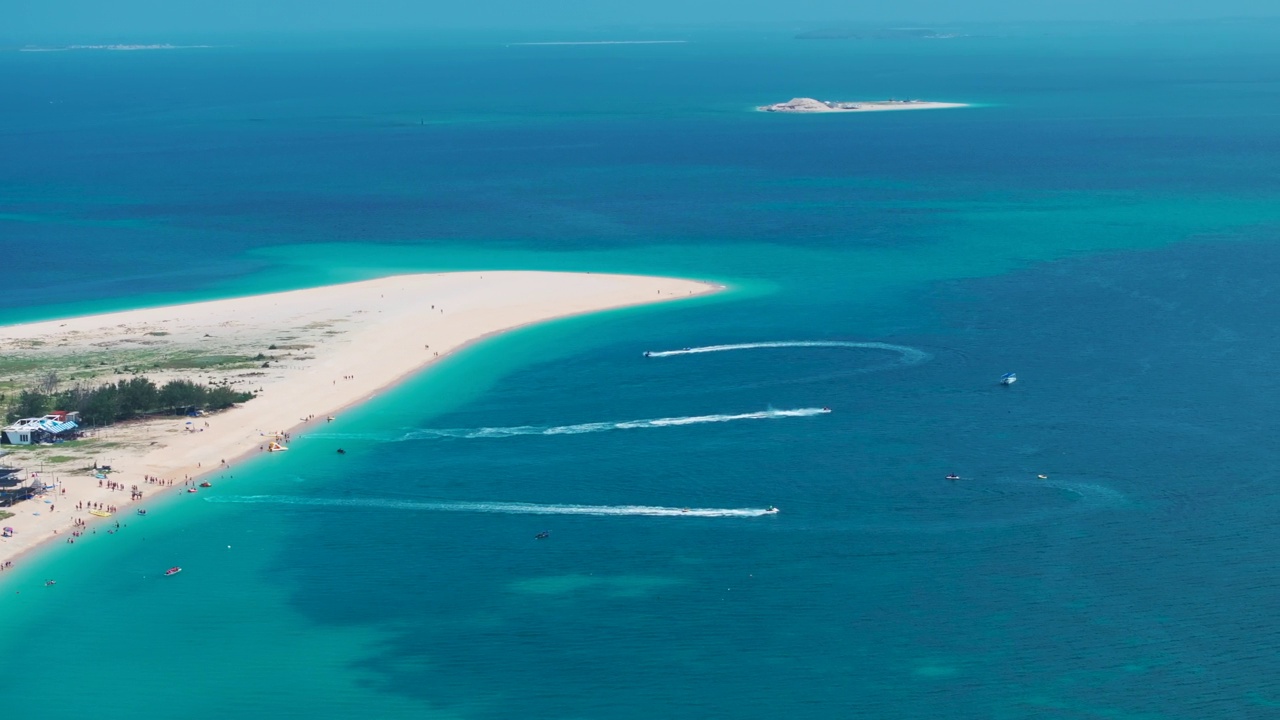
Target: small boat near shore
pixel 173 570
pixel 99 513
pixel 206 483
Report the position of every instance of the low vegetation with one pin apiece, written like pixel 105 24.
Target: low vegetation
pixel 125 400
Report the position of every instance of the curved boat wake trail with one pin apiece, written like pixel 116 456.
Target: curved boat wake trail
pixel 501 432
pixel 506 508
pixel 907 355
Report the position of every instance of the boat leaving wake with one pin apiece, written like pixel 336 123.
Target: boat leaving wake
pixel 501 432
pixel 907 355
pixel 507 508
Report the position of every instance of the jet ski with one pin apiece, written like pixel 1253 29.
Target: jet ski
pixel 542 535
pixel 953 476
pixel 771 510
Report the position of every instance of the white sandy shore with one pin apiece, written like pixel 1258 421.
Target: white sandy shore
pixel 810 105
pixel 351 341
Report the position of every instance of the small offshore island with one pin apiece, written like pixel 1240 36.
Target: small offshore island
pixel 810 105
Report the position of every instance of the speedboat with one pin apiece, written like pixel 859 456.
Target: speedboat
pixel 1008 378
pixel 771 510
pixel 173 570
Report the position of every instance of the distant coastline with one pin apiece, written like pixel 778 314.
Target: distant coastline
pixel 602 42
pixel 879 34
pixel 118 48
pixel 810 105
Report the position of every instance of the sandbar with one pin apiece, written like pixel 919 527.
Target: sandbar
pixel 307 354
pixel 810 105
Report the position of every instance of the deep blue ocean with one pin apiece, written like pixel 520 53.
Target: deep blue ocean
pixel 1104 222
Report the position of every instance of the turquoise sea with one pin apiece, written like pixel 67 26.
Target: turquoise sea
pixel 1104 222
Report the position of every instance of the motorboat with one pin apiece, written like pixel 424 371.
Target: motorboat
pixel 1008 378
pixel 173 570
pixel 953 476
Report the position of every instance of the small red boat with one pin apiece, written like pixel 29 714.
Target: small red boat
pixel 173 570
pixel 206 483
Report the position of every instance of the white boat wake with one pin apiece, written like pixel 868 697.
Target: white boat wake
pixel 501 432
pixel 506 508
pixel 907 355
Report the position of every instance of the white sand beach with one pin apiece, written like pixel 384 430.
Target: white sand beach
pixel 334 346
pixel 810 105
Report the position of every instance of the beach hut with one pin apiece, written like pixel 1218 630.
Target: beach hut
pixel 35 430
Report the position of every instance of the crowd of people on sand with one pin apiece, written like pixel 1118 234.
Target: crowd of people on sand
pixel 103 507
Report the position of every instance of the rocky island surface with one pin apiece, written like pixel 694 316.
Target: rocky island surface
pixel 810 105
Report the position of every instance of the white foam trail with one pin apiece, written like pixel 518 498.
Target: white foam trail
pixel 500 432
pixel 506 508
pixel 908 355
